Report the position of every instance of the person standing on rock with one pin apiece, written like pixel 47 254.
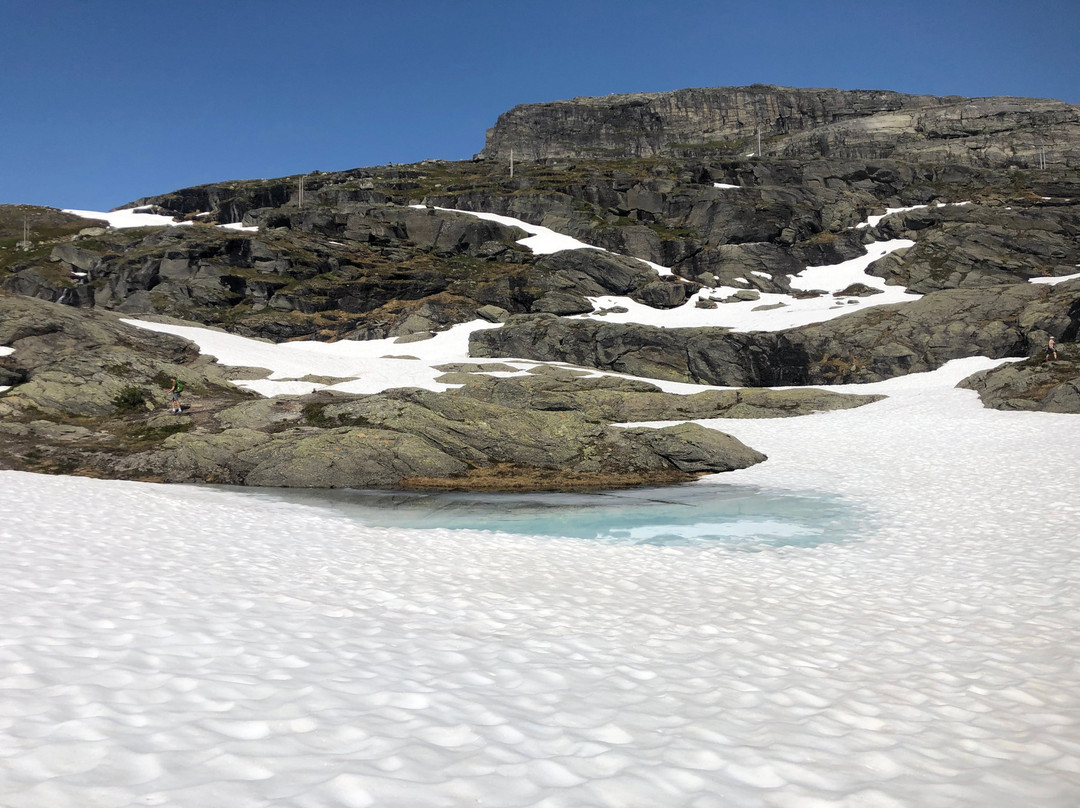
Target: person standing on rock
pixel 1051 350
pixel 174 396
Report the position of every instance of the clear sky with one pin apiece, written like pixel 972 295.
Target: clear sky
pixel 107 101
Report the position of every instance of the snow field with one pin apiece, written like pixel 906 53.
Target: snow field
pixel 179 646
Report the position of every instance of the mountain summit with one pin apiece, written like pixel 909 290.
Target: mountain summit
pixel 792 124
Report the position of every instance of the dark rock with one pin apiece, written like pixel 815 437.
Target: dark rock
pixel 857 290
pixel 663 294
pixel 868 345
pixel 1035 384
pixel 86 385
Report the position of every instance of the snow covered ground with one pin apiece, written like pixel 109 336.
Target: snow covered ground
pixel 177 646
pixel 164 645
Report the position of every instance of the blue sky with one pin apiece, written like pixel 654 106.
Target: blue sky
pixel 104 102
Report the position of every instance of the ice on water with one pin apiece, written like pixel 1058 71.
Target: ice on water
pixel 743 517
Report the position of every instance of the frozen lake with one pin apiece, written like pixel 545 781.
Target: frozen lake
pixel 735 516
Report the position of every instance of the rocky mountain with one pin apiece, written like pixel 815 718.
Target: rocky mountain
pixel 791 123
pixel 987 190
pixel 88 397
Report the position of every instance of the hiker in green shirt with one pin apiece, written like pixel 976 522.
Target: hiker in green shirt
pixel 174 396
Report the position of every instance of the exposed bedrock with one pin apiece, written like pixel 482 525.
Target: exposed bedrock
pixel 1039 383
pixel 794 122
pixel 88 397
pixel 870 345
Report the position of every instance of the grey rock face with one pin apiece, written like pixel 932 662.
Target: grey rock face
pixel 864 346
pixel 86 388
pixel 662 177
pixel 793 123
pixel 1034 384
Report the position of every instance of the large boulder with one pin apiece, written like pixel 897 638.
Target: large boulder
pixel 74 362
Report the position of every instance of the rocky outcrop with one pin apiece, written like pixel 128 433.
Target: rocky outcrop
pixel 88 394
pixel 978 246
pixel 1035 384
pixel 347 267
pixel 74 363
pixel 791 123
pixel 865 346
pixel 372 272
pixel 613 399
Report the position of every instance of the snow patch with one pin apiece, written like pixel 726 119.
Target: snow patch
pixel 771 311
pixel 1057 280
pixel 543 240
pixel 142 217
pixel 130 217
pixel 369 366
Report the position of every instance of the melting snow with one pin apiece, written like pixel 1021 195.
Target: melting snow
pixel 172 645
pixel 129 217
pixel 543 240
pixel 169 645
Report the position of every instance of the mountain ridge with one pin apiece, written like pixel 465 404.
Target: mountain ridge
pixel 697 120
pixel 395 252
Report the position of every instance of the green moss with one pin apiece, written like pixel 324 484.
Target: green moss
pixel 130 399
pixel 315 415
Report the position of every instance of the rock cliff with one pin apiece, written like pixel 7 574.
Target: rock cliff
pixel 791 123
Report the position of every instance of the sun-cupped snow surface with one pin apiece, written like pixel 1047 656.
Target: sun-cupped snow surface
pixel 178 646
